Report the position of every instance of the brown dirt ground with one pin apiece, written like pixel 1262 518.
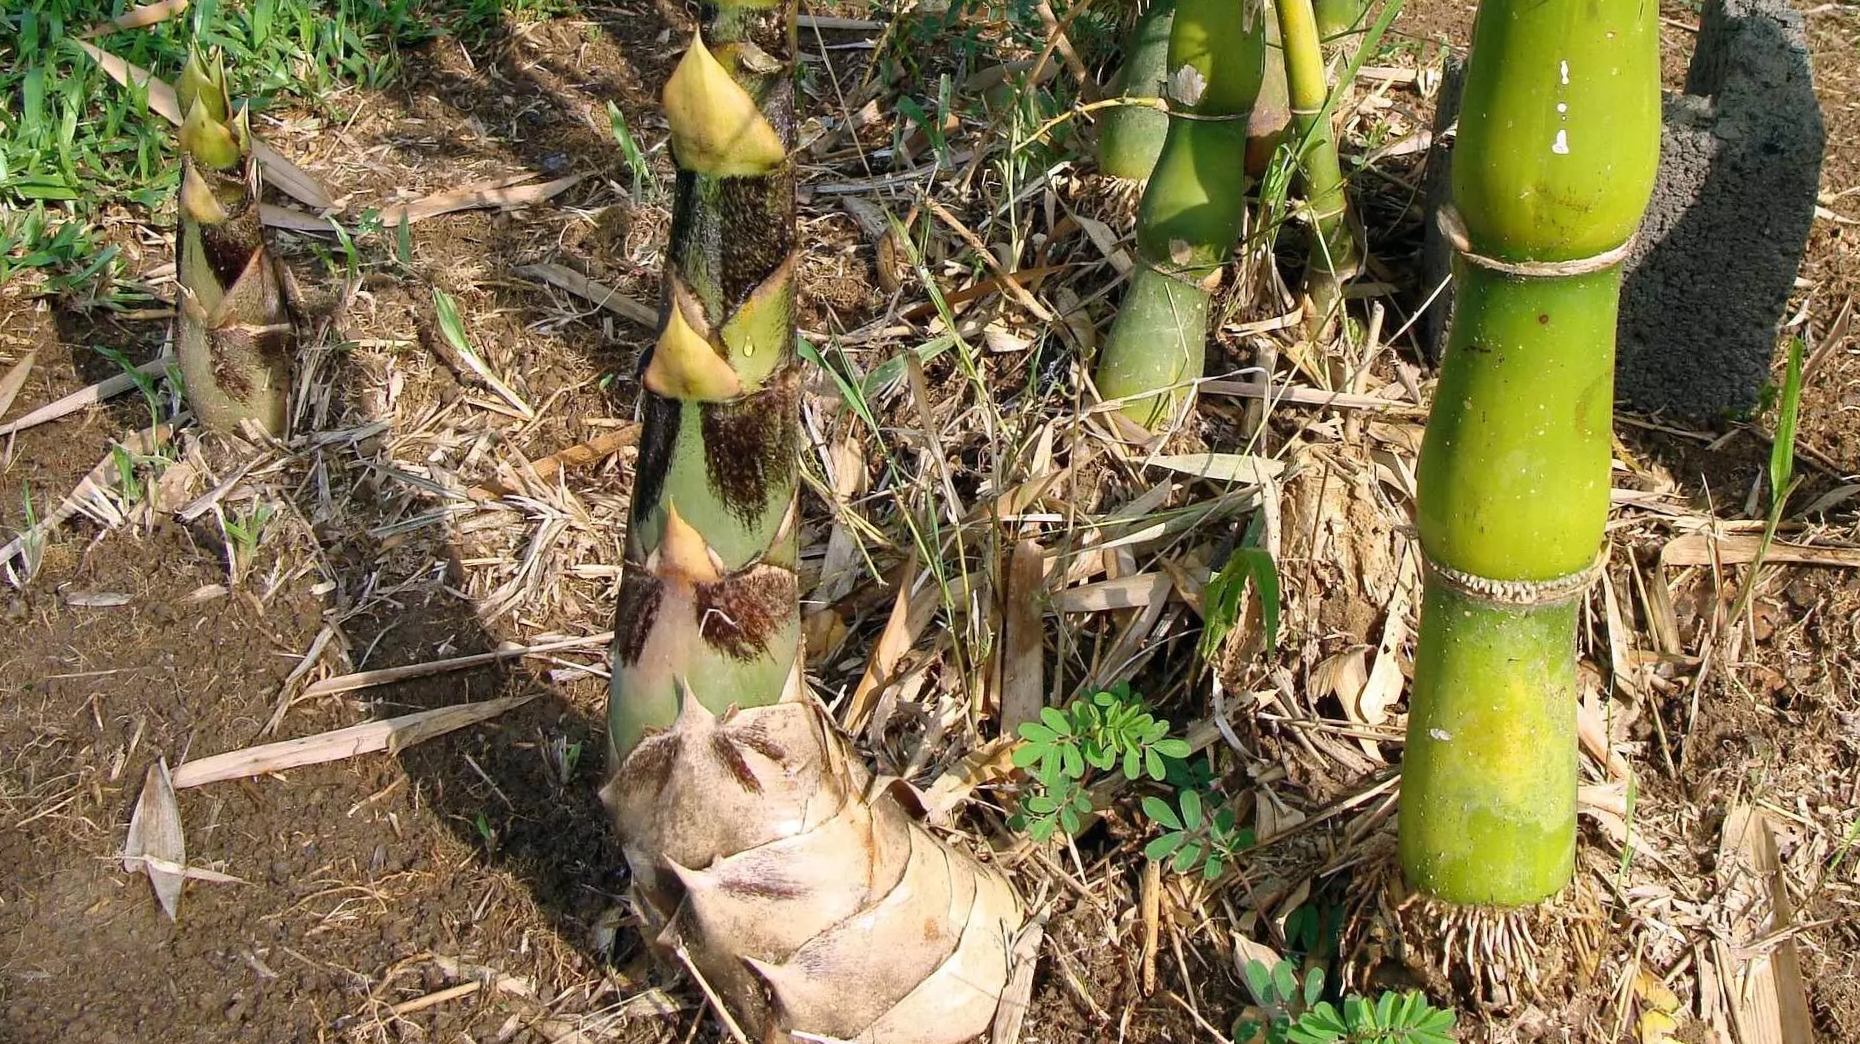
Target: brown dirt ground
pixel 358 875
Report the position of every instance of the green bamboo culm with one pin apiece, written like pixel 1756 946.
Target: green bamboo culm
pixel 708 589
pixel 233 330
pixel 1192 211
pixel 1130 137
pixel 1334 257
pixel 1336 17
pixel 1558 146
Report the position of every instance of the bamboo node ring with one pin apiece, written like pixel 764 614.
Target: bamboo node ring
pixel 1522 593
pixel 1454 228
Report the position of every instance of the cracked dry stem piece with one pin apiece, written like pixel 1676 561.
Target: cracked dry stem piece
pixel 233 330
pixel 763 853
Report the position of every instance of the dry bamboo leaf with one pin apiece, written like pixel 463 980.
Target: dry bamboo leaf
pixel 580 455
pixel 107 388
pixel 1015 280
pixel 910 614
pixel 1769 1002
pixel 1383 687
pixel 1023 642
pixel 156 845
pixel 602 295
pixel 504 192
pixel 1129 592
pixel 293 220
pixel 138 17
pixel 985 764
pixel 385 675
pixel 1832 499
pixel 1661 618
pixel 282 173
pixel 1592 730
pixel 1698 549
pixel 1221 467
pixel 189 873
pixel 103 476
pixel 1105 240
pixel 1023 959
pixel 1302 395
pixel 1621 660
pixel 1149 909
pixel 840 567
pixel 14 380
pixel 392 735
pixel 1343 675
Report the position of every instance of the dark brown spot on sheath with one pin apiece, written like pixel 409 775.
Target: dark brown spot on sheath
pixel 756 737
pixel 750 445
pixel 729 234
pixel 731 758
pixel 658 436
pixel 635 613
pixel 756 218
pixel 650 764
pixel 229 246
pixel 739 615
pixel 1543 318
pixel 765 886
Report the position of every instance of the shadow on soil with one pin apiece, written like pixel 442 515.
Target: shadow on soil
pixel 498 786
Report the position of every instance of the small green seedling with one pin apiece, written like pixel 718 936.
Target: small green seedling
pixel 1221 599
pixel 644 184
pixel 1783 479
pixel 1195 839
pixel 243 532
pixel 1289 1011
pixel 1110 729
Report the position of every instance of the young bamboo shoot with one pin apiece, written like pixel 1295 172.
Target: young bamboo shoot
pixel 233 332
pixel 764 856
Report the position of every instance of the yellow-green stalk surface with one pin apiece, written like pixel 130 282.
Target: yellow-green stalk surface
pixel 764 856
pixel 233 333
pixel 1192 209
pixel 1131 136
pixel 1333 254
pixel 1558 143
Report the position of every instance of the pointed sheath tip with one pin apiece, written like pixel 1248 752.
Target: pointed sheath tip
pixel 717 129
pixel 683 553
pixel 685 366
pixel 204 81
pixel 197 199
pixel 209 141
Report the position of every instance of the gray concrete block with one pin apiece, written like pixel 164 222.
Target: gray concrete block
pixel 1740 163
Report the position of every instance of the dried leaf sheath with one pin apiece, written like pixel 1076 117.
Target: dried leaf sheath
pixel 233 334
pixel 761 851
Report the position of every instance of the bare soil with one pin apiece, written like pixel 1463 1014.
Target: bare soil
pixel 371 885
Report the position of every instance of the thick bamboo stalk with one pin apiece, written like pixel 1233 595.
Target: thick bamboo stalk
pixel 233 331
pixel 1130 137
pixel 1334 255
pixel 764 857
pixel 1192 209
pixel 1553 168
